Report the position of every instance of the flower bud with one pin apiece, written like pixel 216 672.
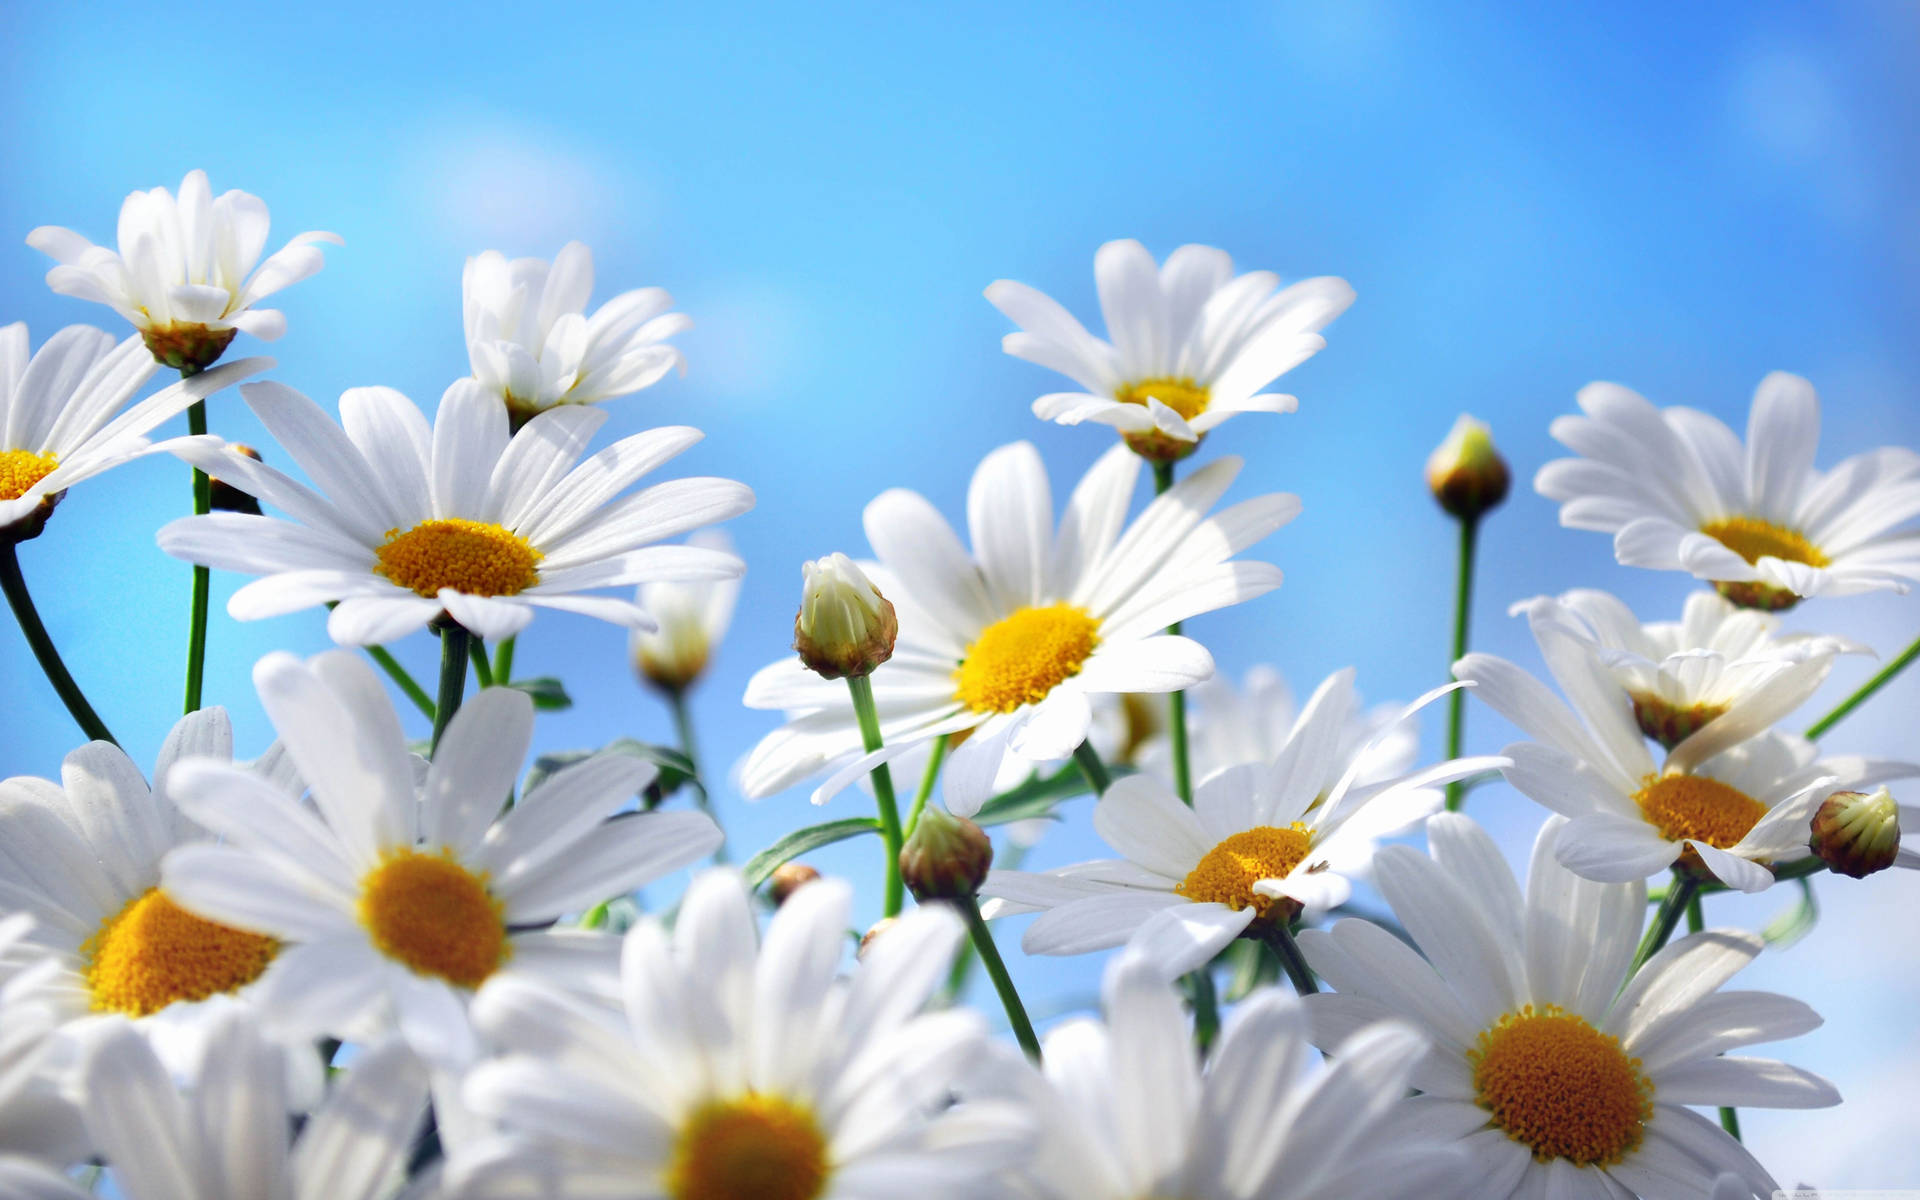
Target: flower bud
pixel 1857 834
pixel 228 498
pixel 187 348
pixel 1466 474
pixel 788 878
pixel 946 858
pixel 873 935
pixel 674 655
pixel 845 626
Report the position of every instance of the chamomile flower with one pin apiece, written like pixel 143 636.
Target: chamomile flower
pixel 39 1129
pixel 1679 493
pixel 226 1134
pixel 391 900
pixel 1261 843
pixel 533 346
pixel 690 618
pixel 1733 797
pixel 462 518
pixel 1190 343
pixel 742 1069
pixel 185 274
pixel 1007 643
pixel 1127 1112
pixel 64 414
pixel 1554 1072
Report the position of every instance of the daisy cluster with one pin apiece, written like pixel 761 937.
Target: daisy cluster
pixel 360 964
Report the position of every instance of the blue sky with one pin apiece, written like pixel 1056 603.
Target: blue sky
pixel 1680 198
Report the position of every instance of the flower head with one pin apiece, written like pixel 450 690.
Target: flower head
pixel 691 617
pixel 1465 473
pixel 946 857
pixel 844 626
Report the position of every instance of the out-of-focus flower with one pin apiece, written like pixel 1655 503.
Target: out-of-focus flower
pixel 690 619
pixel 1465 473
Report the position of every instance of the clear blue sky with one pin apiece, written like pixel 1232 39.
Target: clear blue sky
pixel 1680 198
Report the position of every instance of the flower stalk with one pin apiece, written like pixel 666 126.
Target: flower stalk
pixel 683 729
pixel 44 651
pixel 1280 938
pixel 202 576
pixel 1679 898
pixel 890 832
pixel 1176 701
pixel 997 971
pixel 1462 606
pixel 1880 679
pixel 454 653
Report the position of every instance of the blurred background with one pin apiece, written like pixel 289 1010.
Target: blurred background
pixel 1679 198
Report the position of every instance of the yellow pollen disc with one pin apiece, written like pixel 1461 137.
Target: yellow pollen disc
pixel 751 1148
pixel 1693 806
pixel 1754 539
pixel 467 556
pixel 1019 659
pixel 21 469
pixel 431 913
pixel 1560 1087
pixel 153 953
pixel 1183 396
pixel 1228 872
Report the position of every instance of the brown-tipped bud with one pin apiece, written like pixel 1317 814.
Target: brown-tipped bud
pixel 873 935
pixel 789 878
pixel 1857 834
pixel 190 349
pixel 228 498
pixel 947 857
pixel 1466 474
pixel 845 626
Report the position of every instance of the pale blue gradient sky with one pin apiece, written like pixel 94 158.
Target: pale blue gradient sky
pixel 1678 198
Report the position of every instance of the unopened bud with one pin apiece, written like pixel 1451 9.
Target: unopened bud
pixel 946 858
pixel 845 626
pixel 189 349
pixel 789 878
pixel 1857 834
pixel 873 935
pixel 674 655
pixel 1466 474
pixel 228 498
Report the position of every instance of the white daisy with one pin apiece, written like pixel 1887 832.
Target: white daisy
pixel 185 272
pixel 1553 1071
pixel 742 1069
pixel 533 346
pixel 39 1129
pixel 64 416
pixel 460 518
pixel 1261 843
pixel 227 1135
pixel 1679 493
pixel 1191 343
pixel 690 618
pixel 1007 643
pixel 1128 1113
pixel 1682 674
pixel 1733 796
pixel 392 899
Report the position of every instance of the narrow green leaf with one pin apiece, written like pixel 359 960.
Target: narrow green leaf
pixel 1036 797
pixel 1794 922
pixel 549 695
pixel 802 841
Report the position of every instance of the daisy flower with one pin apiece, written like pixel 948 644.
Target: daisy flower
pixel 743 1069
pixel 1262 843
pixel 1127 1111
pixel 1191 343
pixel 1682 674
pixel 1006 644
pixel 38 1129
pixel 689 617
pixel 392 899
pixel 533 346
pixel 64 416
pixel 227 1135
pixel 1552 1070
pixel 1733 797
pixel 462 518
pixel 1679 493
pixel 185 274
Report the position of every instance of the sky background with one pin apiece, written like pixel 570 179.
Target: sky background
pixel 1679 198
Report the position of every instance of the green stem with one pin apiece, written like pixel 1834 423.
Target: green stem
pixel 1462 605
pixel 482 665
pixel 202 577
pixel 1176 701
pixel 1278 936
pixel 453 678
pixel 406 682
pixel 503 659
pixel 21 601
pixel 862 689
pixel 926 782
pixel 1730 1121
pixel 1696 921
pixel 683 726
pixel 1206 1009
pixel 1678 899
pixel 1859 697
pixel 997 971
pixel 1092 768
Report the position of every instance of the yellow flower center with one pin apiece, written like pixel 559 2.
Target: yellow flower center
pixel 153 953
pixel 1693 806
pixel 751 1148
pixel 431 913
pixel 452 552
pixel 1669 724
pixel 1754 539
pixel 1183 396
pixel 1227 873
pixel 21 469
pixel 1019 659
pixel 1560 1087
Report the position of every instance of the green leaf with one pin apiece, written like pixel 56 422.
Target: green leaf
pixel 1036 797
pixel 1794 922
pixel 802 841
pixel 549 695
pixel 1253 966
